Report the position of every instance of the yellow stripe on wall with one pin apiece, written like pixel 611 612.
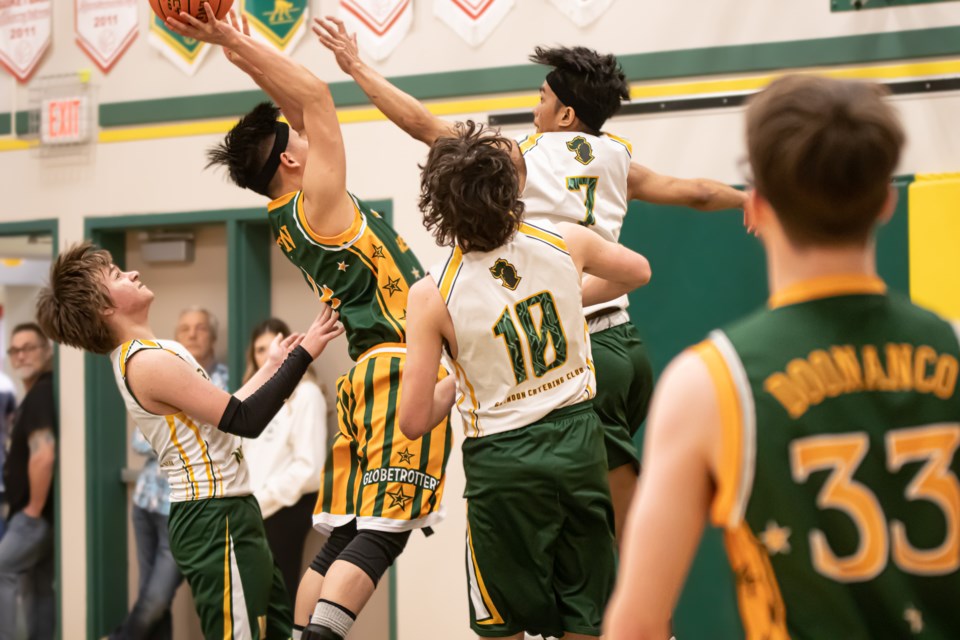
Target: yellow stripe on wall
pixel 934 229
pixel 516 102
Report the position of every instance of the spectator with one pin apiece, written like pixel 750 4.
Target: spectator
pixel 26 551
pixel 285 461
pixel 8 404
pixel 197 330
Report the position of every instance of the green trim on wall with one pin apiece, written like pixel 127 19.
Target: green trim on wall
pixel 5 120
pixel 51 227
pixel 875 47
pixel 22 123
pixel 248 288
pixel 105 444
pixel 860 5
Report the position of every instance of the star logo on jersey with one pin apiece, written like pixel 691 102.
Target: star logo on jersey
pixel 406 455
pixel 914 618
pixel 582 150
pixel 776 538
pixel 415 272
pixel 402 244
pixel 326 296
pixel 398 498
pixel 506 273
pixel 404 316
pixel 392 286
pixel 377 251
pixel 342 266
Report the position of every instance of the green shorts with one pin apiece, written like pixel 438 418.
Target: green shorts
pixel 624 387
pixel 221 549
pixel 540 548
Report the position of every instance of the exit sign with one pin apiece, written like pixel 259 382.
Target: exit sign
pixel 65 120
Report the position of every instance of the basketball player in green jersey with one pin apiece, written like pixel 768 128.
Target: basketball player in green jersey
pixel 822 432
pixel 571 171
pixel 377 485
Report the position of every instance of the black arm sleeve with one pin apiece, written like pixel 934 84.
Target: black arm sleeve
pixel 248 418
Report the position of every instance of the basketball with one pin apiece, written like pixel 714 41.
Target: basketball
pixel 172 8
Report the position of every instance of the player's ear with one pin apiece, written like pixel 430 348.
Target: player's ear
pixel 889 206
pixel 567 117
pixel 287 159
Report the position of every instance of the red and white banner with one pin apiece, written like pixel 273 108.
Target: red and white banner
pixel 380 25
pixel 25 27
pixel 106 29
pixel 473 20
pixel 582 12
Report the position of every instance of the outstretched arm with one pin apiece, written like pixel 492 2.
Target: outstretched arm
pixel 611 270
pixel 401 108
pixel 698 193
pixel 327 205
pixel 425 402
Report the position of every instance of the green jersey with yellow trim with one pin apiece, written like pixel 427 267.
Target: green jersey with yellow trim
pixel 837 483
pixel 364 273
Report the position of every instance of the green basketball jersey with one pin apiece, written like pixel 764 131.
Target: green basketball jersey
pixel 837 486
pixel 364 273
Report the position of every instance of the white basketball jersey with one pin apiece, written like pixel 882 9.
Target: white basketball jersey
pixel 581 178
pixel 521 333
pixel 200 460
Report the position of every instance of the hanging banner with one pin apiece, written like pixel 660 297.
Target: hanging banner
pixel 106 28
pixel 282 23
pixel 582 12
pixel 380 25
pixel 25 27
pixel 473 20
pixel 185 53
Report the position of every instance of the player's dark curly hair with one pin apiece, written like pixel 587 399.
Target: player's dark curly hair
pixel 469 189
pixel 245 148
pixel 596 79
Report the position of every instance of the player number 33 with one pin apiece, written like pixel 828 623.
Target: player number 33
pixel 934 445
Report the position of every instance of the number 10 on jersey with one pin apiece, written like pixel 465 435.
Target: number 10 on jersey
pixel 538 338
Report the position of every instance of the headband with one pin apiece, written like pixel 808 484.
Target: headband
pixel 588 115
pixel 261 183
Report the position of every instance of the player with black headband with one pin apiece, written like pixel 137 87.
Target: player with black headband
pixel 377 485
pixel 571 171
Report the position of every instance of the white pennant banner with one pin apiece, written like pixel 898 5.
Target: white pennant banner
pixel 25 27
pixel 185 53
pixel 380 25
pixel 473 20
pixel 106 28
pixel 582 12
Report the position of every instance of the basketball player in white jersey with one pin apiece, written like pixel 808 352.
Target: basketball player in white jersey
pixel 507 306
pixel 571 171
pixel 216 529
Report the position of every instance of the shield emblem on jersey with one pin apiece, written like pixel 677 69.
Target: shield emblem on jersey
pixel 280 22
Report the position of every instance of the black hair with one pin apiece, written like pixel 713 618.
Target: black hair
pixel 245 148
pixel 596 80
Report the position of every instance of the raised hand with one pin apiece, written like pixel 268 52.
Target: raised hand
pixel 333 35
pixel 241 25
pixel 212 31
pixel 325 328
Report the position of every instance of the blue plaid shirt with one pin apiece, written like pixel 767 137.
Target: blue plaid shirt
pixel 152 491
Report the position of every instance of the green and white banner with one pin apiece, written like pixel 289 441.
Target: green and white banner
pixel 185 53
pixel 282 23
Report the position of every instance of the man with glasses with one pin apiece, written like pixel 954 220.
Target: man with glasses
pixel 26 550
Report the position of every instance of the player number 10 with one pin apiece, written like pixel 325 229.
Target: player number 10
pixel 538 338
